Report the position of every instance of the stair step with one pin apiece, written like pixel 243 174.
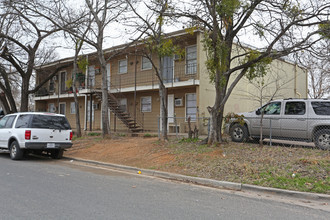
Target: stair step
pixel 120 114
pixel 137 130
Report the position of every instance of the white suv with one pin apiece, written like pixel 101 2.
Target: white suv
pixel 25 132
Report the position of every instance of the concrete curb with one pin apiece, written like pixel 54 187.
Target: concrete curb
pixel 210 182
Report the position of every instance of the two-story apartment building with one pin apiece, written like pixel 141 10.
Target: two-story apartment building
pixel 134 84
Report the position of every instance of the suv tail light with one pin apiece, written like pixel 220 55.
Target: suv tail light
pixel 27 135
pixel 71 134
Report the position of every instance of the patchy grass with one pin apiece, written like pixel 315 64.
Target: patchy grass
pixel 292 168
pixel 93 134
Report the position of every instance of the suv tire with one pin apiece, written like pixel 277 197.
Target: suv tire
pixel 238 133
pixel 57 154
pixel 16 153
pixel 322 139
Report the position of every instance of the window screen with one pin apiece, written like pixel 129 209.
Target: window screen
pixel 146 104
pixel 191 60
pixel 123 66
pixel 191 105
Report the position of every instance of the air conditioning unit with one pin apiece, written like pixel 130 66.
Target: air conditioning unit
pixel 178 102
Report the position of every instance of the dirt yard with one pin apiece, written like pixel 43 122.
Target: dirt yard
pixel 287 167
pixel 131 151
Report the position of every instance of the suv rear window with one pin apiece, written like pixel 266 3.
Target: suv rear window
pixel 50 122
pixel 321 108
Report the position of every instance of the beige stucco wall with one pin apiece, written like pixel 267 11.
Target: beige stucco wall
pixel 291 79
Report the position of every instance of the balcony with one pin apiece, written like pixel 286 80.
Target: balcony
pixel 177 76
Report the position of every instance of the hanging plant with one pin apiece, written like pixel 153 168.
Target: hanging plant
pixel 82 64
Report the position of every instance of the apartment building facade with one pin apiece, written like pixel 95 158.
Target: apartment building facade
pixel 134 86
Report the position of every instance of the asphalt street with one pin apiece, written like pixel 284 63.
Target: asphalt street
pixel 41 188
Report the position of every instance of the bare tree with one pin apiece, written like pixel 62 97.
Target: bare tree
pixel 316 60
pixel 283 27
pixel 97 15
pixel 22 32
pixel 151 24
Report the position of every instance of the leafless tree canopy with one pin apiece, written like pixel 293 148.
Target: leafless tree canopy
pixel 22 34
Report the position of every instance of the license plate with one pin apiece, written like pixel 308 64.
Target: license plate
pixel 50 145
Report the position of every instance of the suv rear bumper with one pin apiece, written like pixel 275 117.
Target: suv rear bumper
pixel 38 145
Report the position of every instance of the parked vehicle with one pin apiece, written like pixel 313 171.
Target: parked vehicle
pixel 25 132
pixel 290 119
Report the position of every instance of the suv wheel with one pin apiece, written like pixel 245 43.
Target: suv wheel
pixel 322 139
pixel 15 151
pixel 57 154
pixel 238 133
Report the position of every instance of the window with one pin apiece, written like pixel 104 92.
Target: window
pixel 23 121
pixel 273 108
pixel 3 122
pixel 191 106
pixel 123 66
pixel 63 79
pixel 295 108
pixel 51 108
pixel 191 60
pixel 7 122
pixel 146 64
pixel 51 85
pixel 50 122
pixel 123 104
pixel 91 76
pixel 72 108
pixel 146 104
pixel 62 108
pixel 321 108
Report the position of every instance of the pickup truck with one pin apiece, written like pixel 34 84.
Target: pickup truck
pixel 26 132
pixel 290 119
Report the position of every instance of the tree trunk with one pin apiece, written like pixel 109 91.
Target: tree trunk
pixel 76 101
pixel 163 109
pixel 104 103
pixel 4 103
pixel 25 95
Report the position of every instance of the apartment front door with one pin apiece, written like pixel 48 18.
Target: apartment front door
pixel 167 72
pixel 62 108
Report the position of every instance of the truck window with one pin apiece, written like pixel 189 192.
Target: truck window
pixel 273 108
pixel 23 121
pixel 10 121
pixel 295 108
pixel 321 108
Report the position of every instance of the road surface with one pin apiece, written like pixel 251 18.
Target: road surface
pixel 42 188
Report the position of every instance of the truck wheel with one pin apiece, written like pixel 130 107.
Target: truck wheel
pixel 238 133
pixel 15 151
pixel 322 139
pixel 57 154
